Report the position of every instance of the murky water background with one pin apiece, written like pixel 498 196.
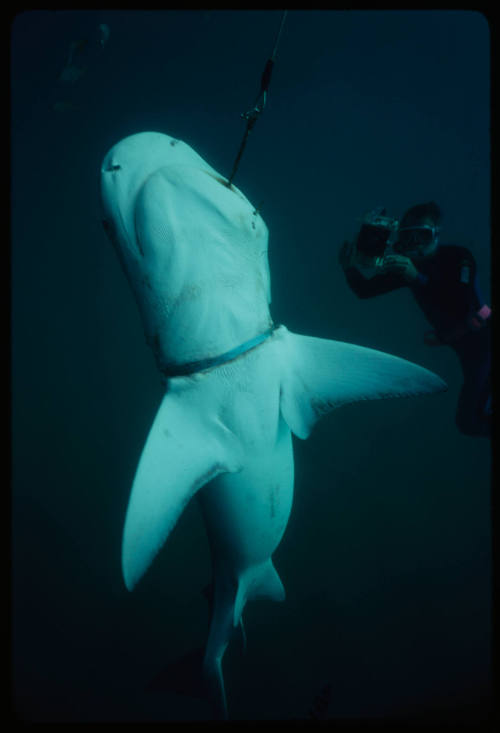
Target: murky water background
pixel 386 559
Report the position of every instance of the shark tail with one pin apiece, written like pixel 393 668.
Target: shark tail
pixel 220 634
pixel 319 375
pixel 259 581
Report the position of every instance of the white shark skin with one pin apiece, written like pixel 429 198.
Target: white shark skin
pixel 195 254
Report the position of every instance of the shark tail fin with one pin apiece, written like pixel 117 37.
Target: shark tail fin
pixel 319 375
pixel 208 592
pixel 259 581
pixel 220 634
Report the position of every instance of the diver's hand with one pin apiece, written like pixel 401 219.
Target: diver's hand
pixel 400 265
pixel 347 255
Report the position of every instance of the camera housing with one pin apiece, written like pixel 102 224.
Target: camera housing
pixel 376 234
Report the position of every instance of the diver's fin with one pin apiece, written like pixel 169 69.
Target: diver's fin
pixel 185 449
pixel 320 375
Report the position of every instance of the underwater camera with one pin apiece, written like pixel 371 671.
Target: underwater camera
pixel 376 234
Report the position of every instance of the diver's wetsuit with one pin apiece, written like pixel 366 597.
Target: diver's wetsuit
pixel 447 291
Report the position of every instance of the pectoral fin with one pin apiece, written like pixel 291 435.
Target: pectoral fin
pixel 185 449
pixel 320 375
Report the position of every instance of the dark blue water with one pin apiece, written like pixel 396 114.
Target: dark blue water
pixel 386 559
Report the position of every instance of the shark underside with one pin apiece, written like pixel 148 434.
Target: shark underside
pixel 195 254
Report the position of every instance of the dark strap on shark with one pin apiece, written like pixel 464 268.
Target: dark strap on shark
pixel 191 367
pixel 252 115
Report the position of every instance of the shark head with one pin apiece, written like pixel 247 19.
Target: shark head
pixel 188 243
pixel 137 157
pixel 130 163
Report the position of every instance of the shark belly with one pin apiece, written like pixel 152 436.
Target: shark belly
pixel 246 511
pixel 195 254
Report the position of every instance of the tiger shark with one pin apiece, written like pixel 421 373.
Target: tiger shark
pixel 236 386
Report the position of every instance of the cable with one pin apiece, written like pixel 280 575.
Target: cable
pixel 253 114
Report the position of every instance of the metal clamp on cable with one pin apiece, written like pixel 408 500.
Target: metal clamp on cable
pixel 252 115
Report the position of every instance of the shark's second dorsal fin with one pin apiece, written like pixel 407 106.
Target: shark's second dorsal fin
pixel 319 375
pixel 258 581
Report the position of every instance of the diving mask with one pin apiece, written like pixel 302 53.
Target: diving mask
pixel 417 240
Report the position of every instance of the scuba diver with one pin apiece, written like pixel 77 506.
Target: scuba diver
pixel 444 282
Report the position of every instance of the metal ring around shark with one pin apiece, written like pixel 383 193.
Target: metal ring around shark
pixel 192 367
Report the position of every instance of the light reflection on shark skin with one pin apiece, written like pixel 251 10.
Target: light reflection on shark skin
pixel 195 254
